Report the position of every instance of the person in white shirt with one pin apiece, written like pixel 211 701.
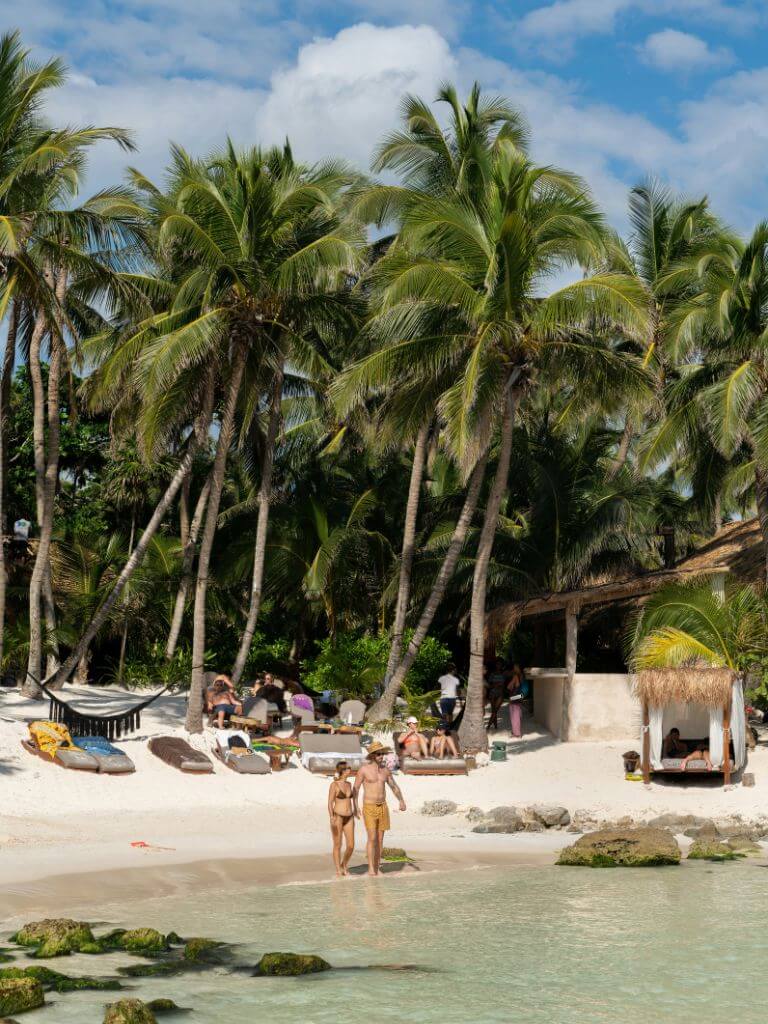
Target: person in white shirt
pixel 449 688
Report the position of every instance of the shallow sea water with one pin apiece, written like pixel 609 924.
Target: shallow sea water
pixel 540 945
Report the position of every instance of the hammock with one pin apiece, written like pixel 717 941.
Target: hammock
pixel 97 712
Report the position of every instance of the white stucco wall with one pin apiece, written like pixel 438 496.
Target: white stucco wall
pixel 601 706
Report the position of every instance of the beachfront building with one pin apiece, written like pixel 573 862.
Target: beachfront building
pixel 582 690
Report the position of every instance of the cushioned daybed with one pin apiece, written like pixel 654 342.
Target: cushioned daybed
pixel 50 741
pixel 179 754
pixel 429 765
pixel 238 755
pixel 321 753
pixel 110 759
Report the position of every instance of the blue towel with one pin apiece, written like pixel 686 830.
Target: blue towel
pixel 96 745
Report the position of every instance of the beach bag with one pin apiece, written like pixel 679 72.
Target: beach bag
pixel 49 736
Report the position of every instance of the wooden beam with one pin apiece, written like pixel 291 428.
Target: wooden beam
pixel 571 653
pixel 727 744
pixel 646 745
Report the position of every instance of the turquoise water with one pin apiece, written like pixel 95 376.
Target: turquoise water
pixel 540 945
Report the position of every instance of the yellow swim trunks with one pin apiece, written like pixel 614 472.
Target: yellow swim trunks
pixel 376 816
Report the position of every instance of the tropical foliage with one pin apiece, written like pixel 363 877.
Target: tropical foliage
pixel 271 415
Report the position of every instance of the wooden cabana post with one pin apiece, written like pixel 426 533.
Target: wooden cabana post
pixel 646 745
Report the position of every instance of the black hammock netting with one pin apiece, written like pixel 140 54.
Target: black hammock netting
pixel 107 713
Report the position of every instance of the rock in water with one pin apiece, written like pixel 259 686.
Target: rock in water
pixel 394 855
pixel 17 995
pixel 628 848
pixel 711 849
pixel 129 1011
pixel 289 965
pixel 439 808
pixel 143 940
pixel 550 815
pixel 59 982
pixel 202 951
pixel 57 936
pixel 165 1006
pixel 744 845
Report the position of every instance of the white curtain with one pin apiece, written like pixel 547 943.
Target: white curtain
pixel 738 725
pixel 716 735
pixel 656 732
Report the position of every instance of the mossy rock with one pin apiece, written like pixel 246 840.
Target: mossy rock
pixel 143 940
pixel 289 965
pixel 129 1011
pixel 629 848
pixel 174 939
pixel 165 1006
pixel 17 995
pixel 56 936
pixel 203 951
pixel 162 969
pixel 395 855
pixel 60 982
pixel 744 846
pixel 703 849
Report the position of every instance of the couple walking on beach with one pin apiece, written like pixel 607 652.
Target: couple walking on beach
pixel 343 808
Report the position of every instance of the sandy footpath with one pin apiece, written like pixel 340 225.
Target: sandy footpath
pixel 55 822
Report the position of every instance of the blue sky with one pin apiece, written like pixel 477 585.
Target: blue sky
pixel 614 89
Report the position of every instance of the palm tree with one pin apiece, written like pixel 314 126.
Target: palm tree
pixel 265 249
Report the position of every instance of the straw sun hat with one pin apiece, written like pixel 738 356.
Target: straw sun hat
pixel 378 748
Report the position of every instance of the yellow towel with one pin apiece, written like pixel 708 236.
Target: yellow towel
pixel 49 736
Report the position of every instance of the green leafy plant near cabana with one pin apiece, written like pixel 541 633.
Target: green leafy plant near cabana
pixel 692 645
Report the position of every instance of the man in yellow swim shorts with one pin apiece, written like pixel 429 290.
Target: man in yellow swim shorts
pixel 374 777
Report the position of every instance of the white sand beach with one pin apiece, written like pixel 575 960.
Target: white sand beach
pixel 55 822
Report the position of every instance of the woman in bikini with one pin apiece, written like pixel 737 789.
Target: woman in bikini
pixel 341 810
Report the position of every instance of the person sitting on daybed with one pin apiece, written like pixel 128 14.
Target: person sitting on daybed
pixel 442 744
pixel 697 755
pixel 223 701
pixel 673 745
pixel 412 742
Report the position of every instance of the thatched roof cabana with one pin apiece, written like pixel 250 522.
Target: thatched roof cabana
pixel 710 687
pixel 736 550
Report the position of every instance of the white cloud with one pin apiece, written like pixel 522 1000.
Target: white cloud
pixel 670 50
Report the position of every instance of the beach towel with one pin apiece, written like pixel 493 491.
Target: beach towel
pixel 49 736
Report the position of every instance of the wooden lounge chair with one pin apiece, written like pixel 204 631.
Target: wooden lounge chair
pixel 321 753
pixel 429 765
pixel 352 712
pixel 240 759
pixel 177 753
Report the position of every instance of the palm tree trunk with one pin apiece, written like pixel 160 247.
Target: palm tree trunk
pixel 761 495
pixel 385 706
pixel 135 560
pixel 5 395
pixel 262 524
pixel 472 732
pixel 50 479
pixel 409 546
pixel 622 453
pixel 194 719
pixel 187 561
pixel 184 511
pixel 124 637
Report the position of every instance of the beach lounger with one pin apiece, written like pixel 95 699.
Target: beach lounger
pixel 320 753
pixel 110 759
pixel 429 765
pixel 177 753
pixel 239 757
pixel 51 742
pixel 352 712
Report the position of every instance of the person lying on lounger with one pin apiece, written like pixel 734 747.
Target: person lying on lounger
pixel 697 755
pixel 412 742
pixel 224 702
pixel 673 745
pixel 442 744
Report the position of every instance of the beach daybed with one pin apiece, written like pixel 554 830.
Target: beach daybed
pixel 177 753
pixel 51 742
pixel 429 765
pixel 320 753
pixel 110 759
pixel 706 705
pixel 238 756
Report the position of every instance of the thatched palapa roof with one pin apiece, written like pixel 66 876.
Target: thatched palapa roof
pixel 695 685
pixel 736 551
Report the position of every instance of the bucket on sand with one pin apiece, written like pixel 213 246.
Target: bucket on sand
pixel 631 761
pixel 498 750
